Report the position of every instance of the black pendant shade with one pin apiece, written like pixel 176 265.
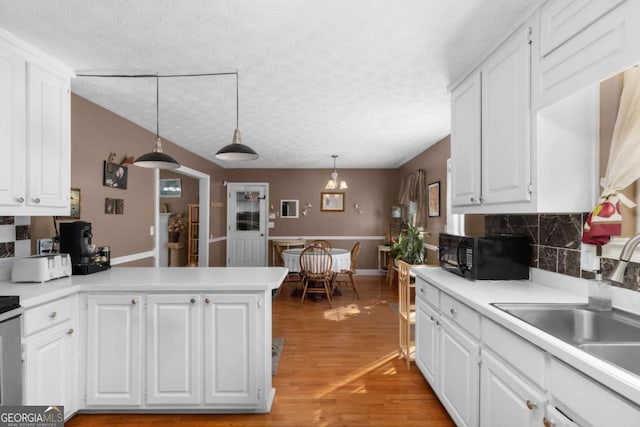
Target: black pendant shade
pixel 157 159
pixel 236 150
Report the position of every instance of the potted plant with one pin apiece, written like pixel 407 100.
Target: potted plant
pixel 409 246
pixel 396 211
pixel 176 225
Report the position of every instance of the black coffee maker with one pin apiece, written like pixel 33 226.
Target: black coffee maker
pixel 75 240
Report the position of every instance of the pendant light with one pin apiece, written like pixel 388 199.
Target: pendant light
pixel 157 158
pixel 236 150
pixel 333 182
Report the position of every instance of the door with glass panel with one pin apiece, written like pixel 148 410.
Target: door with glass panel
pixel 247 233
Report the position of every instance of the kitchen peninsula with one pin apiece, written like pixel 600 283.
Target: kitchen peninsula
pixel 150 339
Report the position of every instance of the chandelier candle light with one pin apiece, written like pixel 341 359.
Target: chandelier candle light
pixel 334 183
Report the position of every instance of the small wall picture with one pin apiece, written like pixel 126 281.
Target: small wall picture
pixel 109 206
pixel 115 175
pixel 74 202
pixel 170 187
pixel 119 207
pixel 434 199
pixel 332 202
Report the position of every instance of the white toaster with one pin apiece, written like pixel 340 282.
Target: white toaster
pixel 41 268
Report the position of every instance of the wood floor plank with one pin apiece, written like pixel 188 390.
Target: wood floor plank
pixel 338 367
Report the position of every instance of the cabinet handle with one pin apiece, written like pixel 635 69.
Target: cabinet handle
pixel 473 199
pixel 531 405
pixel 36 200
pixel 437 323
pixel 453 311
pixel 193 300
pixel 133 301
pixel 547 422
pixel 70 331
pixel 53 314
pixel 207 300
pixel 431 318
pixel 20 200
pixel 422 290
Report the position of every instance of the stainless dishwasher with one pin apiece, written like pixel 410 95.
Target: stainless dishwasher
pixel 10 351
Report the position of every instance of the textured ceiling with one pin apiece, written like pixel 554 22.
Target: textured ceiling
pixel 364 79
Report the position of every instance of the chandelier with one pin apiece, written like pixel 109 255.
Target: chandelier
pixel 335 183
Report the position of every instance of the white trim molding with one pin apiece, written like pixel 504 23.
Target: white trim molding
pixel 326 237
pixel 132 257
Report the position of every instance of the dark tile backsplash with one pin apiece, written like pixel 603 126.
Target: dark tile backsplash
pixel 555 240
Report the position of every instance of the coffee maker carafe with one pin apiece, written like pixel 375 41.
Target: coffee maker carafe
pixel 75 240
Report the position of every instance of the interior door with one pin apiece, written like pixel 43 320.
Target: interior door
pixel 247 233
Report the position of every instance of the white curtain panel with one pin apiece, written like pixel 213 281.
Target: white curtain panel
pixel 624 158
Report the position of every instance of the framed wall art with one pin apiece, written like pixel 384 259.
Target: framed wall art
pixel 434 199
pixel 332 202
pixel 170 187
pixel 115 175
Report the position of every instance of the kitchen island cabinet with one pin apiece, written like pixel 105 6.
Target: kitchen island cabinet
pixel 157 339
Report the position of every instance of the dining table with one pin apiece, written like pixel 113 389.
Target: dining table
pixel 341 259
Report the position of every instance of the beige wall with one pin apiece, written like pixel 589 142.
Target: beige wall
pixel 95 132
pixel 374 190
pixel 434 162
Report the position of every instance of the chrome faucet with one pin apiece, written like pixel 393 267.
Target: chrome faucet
pixel 625 257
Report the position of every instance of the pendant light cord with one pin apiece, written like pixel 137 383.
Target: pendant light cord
pixel 237 104
pixel 157 106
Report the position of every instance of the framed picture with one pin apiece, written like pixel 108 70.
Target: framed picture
pixel 119 208
pixel 332 202
pixel 115 175
pixel 170 187
pixel 289 209
pixel 109 206
pixel 74 210
pixel 434 199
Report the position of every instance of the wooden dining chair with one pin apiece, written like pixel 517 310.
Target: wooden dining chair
pixel 406 313
pixel 315 269
pixel 293 277
pixel 320 244
pixel 345 277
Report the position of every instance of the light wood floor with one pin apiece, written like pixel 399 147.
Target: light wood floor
pixel 338 367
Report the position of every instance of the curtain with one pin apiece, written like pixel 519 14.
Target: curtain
pixel 623 167
pixel 413 188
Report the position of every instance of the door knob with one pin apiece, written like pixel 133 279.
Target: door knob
pixel 36 200
pixel 20 200
pixel 193 300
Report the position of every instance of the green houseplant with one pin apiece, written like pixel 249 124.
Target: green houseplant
pixel 408 246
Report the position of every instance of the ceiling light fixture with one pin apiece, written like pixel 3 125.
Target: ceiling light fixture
pixel 236 150
pixel 334 183
pixel 157 158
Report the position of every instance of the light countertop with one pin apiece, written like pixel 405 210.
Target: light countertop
pixel 480 294
pixel 150 279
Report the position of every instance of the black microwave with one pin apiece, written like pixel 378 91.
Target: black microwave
pixel 503 257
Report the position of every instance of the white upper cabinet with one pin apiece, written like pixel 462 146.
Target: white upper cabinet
pixel 465 153
pixel 506 134
pixel 34 131
pixel 584 42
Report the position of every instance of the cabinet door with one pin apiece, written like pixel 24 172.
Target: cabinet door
pixel 465 142
pixel 459 374
pixel 48 139
pixel 427 324
pixel 173 349
pixel 12 127
pixel 231 341
pixel 114 350
pixel 507 400
pixel 49 368
pixel 506 135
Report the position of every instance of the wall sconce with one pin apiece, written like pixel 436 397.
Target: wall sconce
pixel 358 209
pixel 306 209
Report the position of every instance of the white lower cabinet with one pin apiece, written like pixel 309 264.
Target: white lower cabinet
pixel 50 355
pixel 506 400
pixel 114 350
pixel 459 374
pixel 50 366
pixel 231 347
pixel 181 346
pixel 448 357
pixel 173 349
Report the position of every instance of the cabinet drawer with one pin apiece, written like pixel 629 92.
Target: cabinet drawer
pixel 45 315
pixel 583 398
pixel 428 293
pixel 524 356
pixel 464 316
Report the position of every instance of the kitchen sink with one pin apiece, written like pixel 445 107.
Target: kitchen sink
pixel 613 335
